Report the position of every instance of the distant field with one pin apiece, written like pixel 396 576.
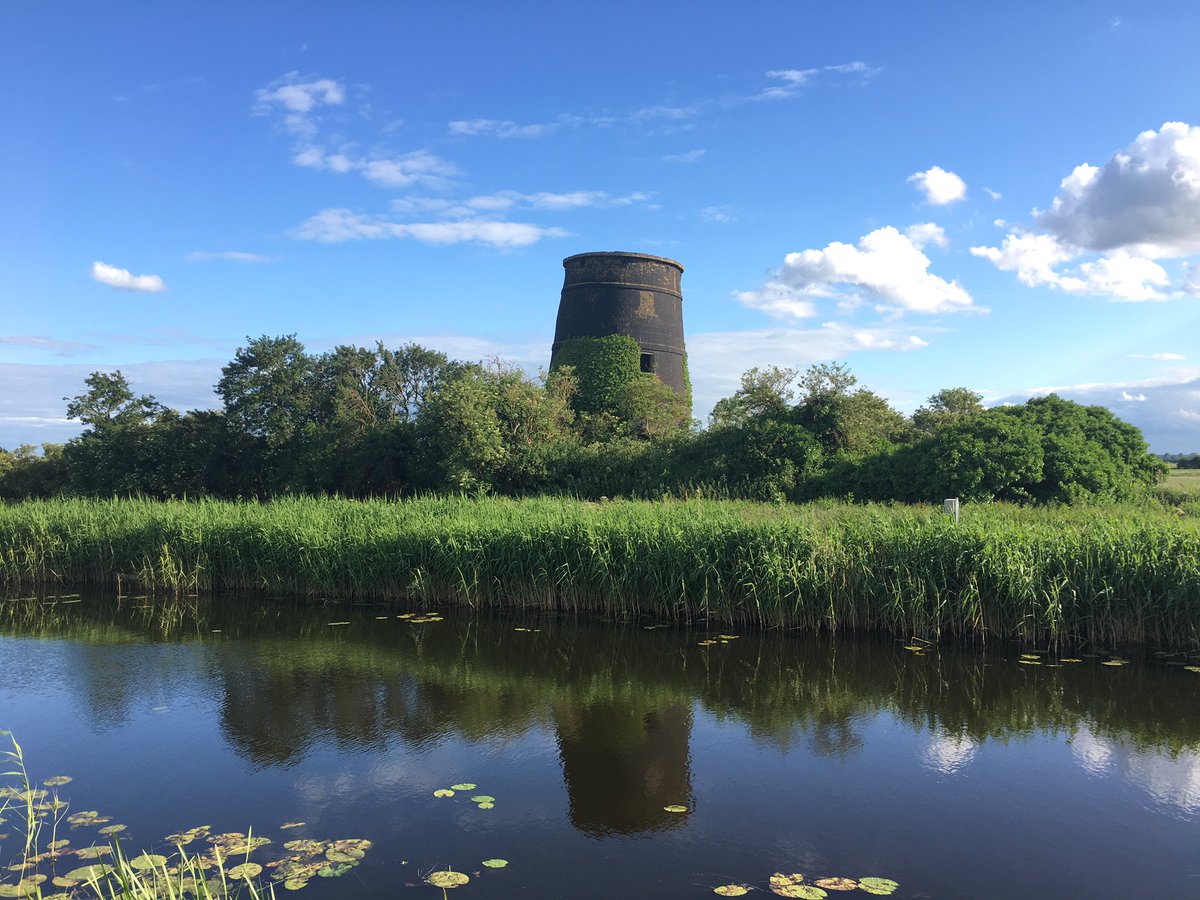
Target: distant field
pixel 1185 480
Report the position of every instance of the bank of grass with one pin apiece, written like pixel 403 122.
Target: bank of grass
pixel 1125 574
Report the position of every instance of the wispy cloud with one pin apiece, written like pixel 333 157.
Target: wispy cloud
pixel 297 100
pixel 232 255
pixel 1162 357
pixel 501 129
pixel 722 215
pixel 788 82
pixel 690 156
pixel 40 342
pixel 125 280
pixel 333 226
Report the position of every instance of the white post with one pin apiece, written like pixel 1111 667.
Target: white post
pixel 950 508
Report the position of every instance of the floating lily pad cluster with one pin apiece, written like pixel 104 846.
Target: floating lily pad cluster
pixel 1043 658
pixel 793 884
pixel 718 639
pixel 483 801
pixel 420 618
pixel 225 856
pixel 448 878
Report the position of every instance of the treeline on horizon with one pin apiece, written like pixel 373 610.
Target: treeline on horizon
pixel 360 422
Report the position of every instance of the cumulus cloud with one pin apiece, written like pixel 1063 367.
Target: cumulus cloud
pixel 1145 200
pixel 233 255
pixel 885 267
pixel 125 280
pixel 1036 259
pixel 1112 222
pixel 338 225
pixel 939 186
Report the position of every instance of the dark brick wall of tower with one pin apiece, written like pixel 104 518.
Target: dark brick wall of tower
pixel 633 294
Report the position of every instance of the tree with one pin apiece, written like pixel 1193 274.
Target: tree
pixel 947 405
pixel 844 421
pixel 109 402
pixel 764 393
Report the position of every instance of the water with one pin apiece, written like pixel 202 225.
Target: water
pixel 958 773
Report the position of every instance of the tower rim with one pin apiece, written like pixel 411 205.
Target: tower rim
pixel 627 254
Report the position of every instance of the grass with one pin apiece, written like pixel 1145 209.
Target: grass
pixel 1121 574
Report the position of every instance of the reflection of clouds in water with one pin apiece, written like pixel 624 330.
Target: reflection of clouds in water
pixel 1169 780
pixel 1093 753
pixel 1173 780
pixel 947 753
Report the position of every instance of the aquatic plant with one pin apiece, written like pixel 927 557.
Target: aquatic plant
pixel 1107 574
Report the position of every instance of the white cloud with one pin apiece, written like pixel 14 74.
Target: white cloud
pixel 794 79
pixel 664 111
pixel 1162 357
pixel 927 233
pixel 1145 200
pixel 420 167
pixel 233 255
pixel 1125 395
pixel 885 267
pixel 504 200
pixel 1034 257
pixel 995 195
pixel 39 342
pixel 297 99
pixel 337 225
pixel 690 156
pixel 500 129
pixel 940 187
pixel 126 280
pixel 720 214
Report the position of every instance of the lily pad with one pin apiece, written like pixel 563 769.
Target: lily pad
pixel 295 884
pixel 731 890
pixel 495 863
pixel 291 824
pixel 443 792
pixel 483 798
pixel 790 886
pixel 1191 668
pixel 112 829
pixel 343 856
pixel 675 808
pixel 879 886
pixel 93 852
pixel 337 623
pixel 246 870
pixel 465 786
pixel 87 873
pixel 1115 662
pixel 57 780
pixel 1070 659
pixel 305 846
pixel 148 861
pixel 836 884
pixel 486 805
pixel 447 879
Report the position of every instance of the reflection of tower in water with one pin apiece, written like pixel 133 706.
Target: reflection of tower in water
pixel 623 764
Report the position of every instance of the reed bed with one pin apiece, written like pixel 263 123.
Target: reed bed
pixel 1121 574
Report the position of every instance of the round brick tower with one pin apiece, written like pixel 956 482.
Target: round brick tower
pixel 632 294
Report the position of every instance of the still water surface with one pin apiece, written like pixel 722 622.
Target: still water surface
pixel 957 773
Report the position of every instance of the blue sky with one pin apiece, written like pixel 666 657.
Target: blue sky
pixel 1003 197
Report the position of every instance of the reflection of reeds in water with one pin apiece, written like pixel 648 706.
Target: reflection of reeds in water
pixel 1120 574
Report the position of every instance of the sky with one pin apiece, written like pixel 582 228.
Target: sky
pixel 1004 197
